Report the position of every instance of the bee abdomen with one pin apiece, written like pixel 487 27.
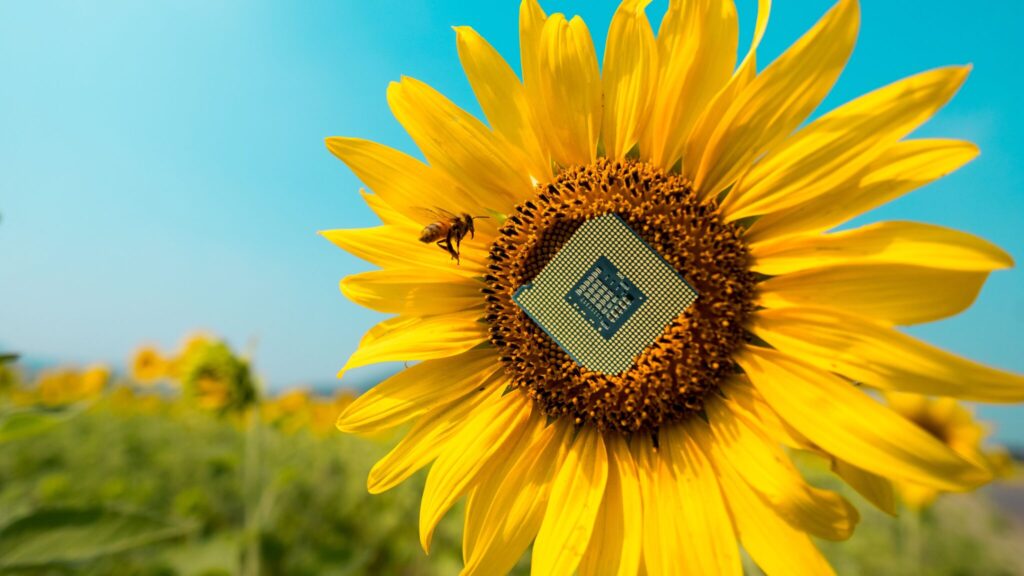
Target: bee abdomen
pixel 432 232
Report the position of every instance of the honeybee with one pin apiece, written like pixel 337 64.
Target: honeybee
pixel 449 227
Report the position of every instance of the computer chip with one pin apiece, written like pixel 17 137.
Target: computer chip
pixel 605 296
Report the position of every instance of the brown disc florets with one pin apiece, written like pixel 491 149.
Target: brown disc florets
pixel 670 378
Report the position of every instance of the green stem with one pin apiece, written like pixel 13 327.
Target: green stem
pixel 910 526
pixel 252 486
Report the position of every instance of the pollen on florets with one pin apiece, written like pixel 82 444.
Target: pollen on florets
pixel 670 378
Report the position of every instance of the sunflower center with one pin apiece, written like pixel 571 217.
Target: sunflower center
pixel 933 427
pixel 668 380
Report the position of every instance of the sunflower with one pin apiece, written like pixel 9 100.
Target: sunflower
pixel 215 379
pixel 93 380
pixel 62 386
pixel 148 365
pixel 952 424
pixel 290 411
pixel 668 465
pixel 190 346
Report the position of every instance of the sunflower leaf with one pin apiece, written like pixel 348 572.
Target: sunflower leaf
pixel 31 421
pixel 55 536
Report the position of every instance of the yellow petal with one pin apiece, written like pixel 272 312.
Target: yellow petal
pixel 398 247
pixel 386 327
pixel 778 100
pixel 711 116
pixel 872 487
pixel 412 220
pixel 662 532
pixel 400 180
pixel 418 389
pixel 425 339
pixel 776 547
pixel 570 85
pixel 764 9
pixel 697 45
pixel 616 544
pixel 386 212
pixel 427 438
pixel 572 507
pixel 894 293
pixel 531 26
pixel 915 496
pixel 771 474
pixel 486 435
pixel 483 494
pixel 460 145
pixel 901 168
pixel 884 242
pixel 742 398
pixel 629 71
pixel 709 542
pixel 879 356
pixel 845 422
pixel 840 144
pixel 511 507
pixel 411 291
pixel 477 498
pixel 502 98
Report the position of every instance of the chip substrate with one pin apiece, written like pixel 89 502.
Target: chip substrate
pixel 605 296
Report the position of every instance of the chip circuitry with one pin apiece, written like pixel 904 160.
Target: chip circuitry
pixel 605 296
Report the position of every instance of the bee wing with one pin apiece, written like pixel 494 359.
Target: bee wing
pixel 435 214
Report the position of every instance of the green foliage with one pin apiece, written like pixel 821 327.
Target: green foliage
pixel 9 377
pixel 962 535
pixel 311 513
pixel 22 422
pixel 60 536
pixel 142 485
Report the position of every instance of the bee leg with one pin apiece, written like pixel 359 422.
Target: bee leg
pixel 444 245
pixel 448 246
pixel 458 247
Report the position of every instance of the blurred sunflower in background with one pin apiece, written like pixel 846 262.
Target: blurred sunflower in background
pixel 665 466
pixel 289 411
pixel 148 366
pixel 60 386
pixel 215 379
pixel 952 424
pixel 189 347
pixel 324 414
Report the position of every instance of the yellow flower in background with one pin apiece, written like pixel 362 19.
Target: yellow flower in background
pixel 148 366
pixel 952 424
pixel 297 410
pixel 324 414
pixel 52 385
pixel 217 380
pixel 665 466
pixel 61 386
pixel 129 400
pixel 190 346
pixel 289 411
pixel 94 379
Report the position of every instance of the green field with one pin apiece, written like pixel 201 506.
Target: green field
pixel 142 483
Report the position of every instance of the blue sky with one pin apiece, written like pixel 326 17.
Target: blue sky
pixel 163 166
